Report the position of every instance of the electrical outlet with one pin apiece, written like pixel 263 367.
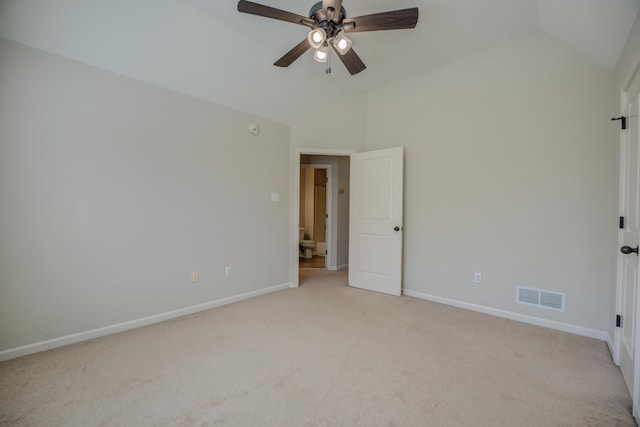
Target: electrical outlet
pixel 195 277
pixel 227 272
pixel 477 278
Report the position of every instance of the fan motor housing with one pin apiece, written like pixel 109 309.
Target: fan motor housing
pixel 329 25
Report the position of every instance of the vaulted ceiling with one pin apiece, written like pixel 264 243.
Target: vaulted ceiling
pixel 205 48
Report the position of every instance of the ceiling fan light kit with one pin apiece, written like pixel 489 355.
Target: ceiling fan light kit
pixel 328 22
pixel 317 37
pixel 321 54
pixel 342 43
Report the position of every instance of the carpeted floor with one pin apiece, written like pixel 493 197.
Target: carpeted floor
pixel 321 355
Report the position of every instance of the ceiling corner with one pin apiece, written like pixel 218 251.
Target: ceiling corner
pixel 597 28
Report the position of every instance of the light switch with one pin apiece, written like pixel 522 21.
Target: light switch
pixel 275 197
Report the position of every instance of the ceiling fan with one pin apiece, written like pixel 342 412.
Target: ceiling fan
pixel 328 23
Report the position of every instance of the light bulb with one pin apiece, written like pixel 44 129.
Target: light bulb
pixel 321 54
pixel 316 37
pixel 342 43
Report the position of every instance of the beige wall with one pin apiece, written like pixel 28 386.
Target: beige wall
pixel 339 123
pixel 510 171
pixel 112 191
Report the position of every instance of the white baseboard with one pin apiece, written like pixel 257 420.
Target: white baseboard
pixel 339 267
pixel 37 347
pixel 610 344
pixel 551 324
pixel 612 349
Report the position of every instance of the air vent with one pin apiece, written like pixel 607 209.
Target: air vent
pixel 540 298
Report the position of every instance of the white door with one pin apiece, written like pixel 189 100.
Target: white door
pixel 375 221
pixel 629 261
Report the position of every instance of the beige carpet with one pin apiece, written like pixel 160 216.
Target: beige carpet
pixel 322 355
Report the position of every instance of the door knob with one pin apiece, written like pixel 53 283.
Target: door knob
pixel 396 228
pixel 627 250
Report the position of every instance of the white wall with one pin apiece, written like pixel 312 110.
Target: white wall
pixel 510 171
pixel 112 191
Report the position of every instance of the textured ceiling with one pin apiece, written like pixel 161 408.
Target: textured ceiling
pixel 205 48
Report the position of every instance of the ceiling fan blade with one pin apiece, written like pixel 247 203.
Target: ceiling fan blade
pixel 394 20
pixel 293 54
pixel 351 60
pixel 270 12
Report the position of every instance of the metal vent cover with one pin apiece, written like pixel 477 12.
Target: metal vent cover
pixel 541 298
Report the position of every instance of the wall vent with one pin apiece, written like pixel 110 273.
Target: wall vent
pixel 540 298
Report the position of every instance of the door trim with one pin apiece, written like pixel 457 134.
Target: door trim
pixel 631 84
pixel 614 342
pixel 296 153
pixel 615 348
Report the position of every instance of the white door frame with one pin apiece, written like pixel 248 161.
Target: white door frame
pixel 329 203
pixel 295 203
pixel 615 347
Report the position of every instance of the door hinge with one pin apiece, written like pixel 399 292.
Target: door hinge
pixel 326 215
pixel 326 252
pixel 621 224
pixel 623 119
pixel 618 321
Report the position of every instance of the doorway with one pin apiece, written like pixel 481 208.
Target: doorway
pixel 336 221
